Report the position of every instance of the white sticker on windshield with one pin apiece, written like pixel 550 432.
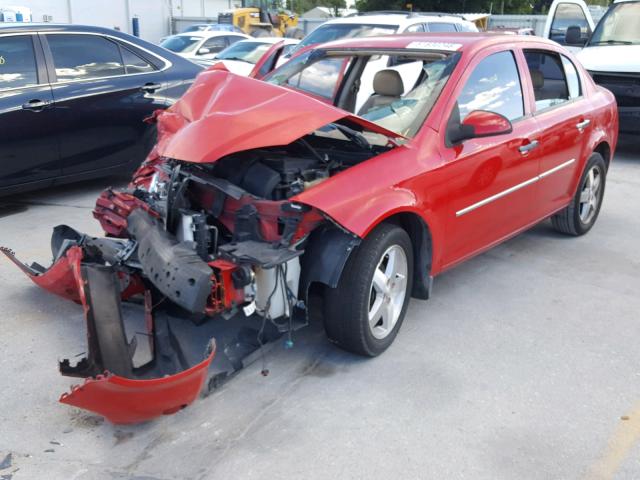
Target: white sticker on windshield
pixel 435 46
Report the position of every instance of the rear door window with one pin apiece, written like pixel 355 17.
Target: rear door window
pixel 18 66
pixel 441 27
pixel 548 78
pixel 214 45
pixel 82 57
pixel 494 86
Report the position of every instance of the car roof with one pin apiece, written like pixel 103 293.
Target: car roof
pixel 396 19
pixel 287 41
pixel 433 41
pixel 54 27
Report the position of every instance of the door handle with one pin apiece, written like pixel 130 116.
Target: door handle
pixel 582 125
pixel 529 146
pixel 150 87
pixel 36 105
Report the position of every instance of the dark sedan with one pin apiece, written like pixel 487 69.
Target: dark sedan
pixel 73 100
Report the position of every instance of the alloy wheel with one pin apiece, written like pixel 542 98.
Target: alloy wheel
pixel 387 292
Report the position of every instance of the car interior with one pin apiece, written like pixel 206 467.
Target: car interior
pixel 396 92
pixel 548 79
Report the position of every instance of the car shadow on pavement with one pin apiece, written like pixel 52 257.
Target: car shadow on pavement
pixel 11 208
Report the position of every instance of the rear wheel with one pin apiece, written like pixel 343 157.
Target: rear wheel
pixel 581 214
pixel 365 311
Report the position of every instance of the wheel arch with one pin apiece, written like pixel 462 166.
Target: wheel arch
pixel 421 237
pixel 604 149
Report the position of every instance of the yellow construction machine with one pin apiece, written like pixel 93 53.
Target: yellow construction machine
pixel 255 18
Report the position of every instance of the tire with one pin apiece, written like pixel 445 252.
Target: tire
pixel 347 307
pixel 581 214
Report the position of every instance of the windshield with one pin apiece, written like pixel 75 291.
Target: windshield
pixel 245 51
pixel 181 43
pixel 337 31
pixel 620 25
pixel 395 91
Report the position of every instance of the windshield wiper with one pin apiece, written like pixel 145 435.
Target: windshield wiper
pixel 352 134
pixel 612 42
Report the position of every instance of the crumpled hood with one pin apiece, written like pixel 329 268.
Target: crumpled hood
pixel 611 58
pixel 223 113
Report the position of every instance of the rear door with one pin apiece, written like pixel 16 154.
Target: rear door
pixel 103 90
pixel 28 136
pixel 569 23
pixel 563 115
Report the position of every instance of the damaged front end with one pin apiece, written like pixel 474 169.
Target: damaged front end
pixel 200 240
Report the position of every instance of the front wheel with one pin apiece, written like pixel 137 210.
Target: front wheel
pixel 581 214
pixel 364 312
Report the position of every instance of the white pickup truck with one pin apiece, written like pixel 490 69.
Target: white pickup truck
pixel 610 51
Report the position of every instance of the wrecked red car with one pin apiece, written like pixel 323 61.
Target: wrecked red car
pixel 338 173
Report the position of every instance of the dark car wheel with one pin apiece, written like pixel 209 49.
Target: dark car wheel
pixel 581 214
pixel 364 312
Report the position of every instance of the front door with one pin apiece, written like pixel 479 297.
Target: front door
pixel 102 91
pixel 492 192
pixel 28 137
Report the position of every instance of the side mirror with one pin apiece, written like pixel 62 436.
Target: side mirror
pixel 573 36
pixel 478 124
pixel 204 51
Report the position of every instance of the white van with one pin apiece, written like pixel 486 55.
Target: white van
pixel 610 51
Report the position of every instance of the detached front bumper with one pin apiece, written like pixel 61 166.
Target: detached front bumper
pixel 114 387
pixel 153 281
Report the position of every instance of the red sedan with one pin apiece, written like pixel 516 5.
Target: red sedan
pixel 357 171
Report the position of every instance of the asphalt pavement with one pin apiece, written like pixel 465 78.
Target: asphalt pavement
pixel 524 365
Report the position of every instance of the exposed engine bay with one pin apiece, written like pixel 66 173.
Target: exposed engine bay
pixel 190 245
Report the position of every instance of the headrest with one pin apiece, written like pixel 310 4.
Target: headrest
pixel 388 83
pixel 537 79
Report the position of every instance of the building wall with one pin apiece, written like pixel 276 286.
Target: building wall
pixel 154 15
